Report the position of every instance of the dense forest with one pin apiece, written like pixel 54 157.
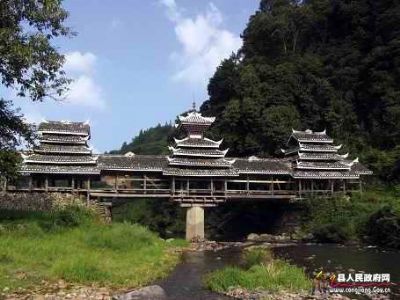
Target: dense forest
pixel 152 141
pixel 315 64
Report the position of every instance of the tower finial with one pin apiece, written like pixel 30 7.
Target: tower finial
pixel 194 105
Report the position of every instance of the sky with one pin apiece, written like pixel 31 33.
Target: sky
pixel 137 63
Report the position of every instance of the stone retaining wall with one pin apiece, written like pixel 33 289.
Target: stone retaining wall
pixel 37 201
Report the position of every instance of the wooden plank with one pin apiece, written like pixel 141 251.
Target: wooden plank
pixel 258 181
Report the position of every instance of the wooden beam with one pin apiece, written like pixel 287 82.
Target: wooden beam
pixel 212 186
pixel 173 185
pixel 88 191
pixel 46 183
pixel 272 185
pixel 300 187
pixel 312 186
pixel 5 184
pixel 258 181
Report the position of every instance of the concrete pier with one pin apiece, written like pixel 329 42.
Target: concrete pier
pixel 195 223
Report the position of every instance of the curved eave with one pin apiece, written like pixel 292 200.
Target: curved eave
pixel 28 172
pixel 63 142
pixel 46 162
pixel 62 152
pixel 326 177
pixel 264 172
pixel 80 133
pixel 303 140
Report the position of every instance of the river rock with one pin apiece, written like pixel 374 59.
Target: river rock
pixel 152 292
pixel 253 237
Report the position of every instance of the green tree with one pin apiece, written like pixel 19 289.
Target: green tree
pixel 316 64
pixel 29 64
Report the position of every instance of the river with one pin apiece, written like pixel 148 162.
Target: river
pixel 186 281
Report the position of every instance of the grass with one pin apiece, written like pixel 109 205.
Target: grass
pixel 260 271
pixel 72 245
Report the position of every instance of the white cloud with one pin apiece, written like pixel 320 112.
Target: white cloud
pixel 204 43
pixel 77 62
pixel 84 90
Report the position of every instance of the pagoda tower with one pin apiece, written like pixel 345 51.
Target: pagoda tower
pixel 63 149
pixel 317 162
pixel 196 159
pixel 196 155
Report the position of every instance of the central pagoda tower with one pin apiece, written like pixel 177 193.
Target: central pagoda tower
pixel 196 155
pixel 195 163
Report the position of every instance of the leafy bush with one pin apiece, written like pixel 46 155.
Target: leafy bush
pixel 67 217
pixel 330 233
pixel 256 256
pixel 383 228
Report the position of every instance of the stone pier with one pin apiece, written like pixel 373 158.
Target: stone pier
pixel 195 223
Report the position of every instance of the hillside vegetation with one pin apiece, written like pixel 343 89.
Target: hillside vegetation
pixel 152 141
pixel 318 64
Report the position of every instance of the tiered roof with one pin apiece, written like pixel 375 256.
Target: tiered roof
pixel 196 155
pixel 317 157
pixel 62 149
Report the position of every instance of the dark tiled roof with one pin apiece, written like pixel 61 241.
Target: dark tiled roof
pixel 62 139
pixel 324 174
pixel 199 162
pixel 57 169
pixel 137 162
pixel 53 148
pixel 308 147
pixel 79 128
pixel 200 172
pixel 196 118
pixel 320 156
pixel 197 142
pixel 198 152
pixel 263 166
pixel 310 136
pixel 60 159
pixel 359 169
pixel 323 165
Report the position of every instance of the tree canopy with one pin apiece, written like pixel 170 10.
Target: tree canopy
pixel 319 64
pixel 29 64
pixel 152 141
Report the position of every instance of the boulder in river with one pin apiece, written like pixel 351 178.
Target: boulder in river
pixel 152 292
pixel 253 237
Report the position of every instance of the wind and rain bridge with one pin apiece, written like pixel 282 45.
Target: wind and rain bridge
pixel 197 173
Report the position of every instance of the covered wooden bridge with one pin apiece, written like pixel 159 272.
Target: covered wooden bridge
pixel 195 175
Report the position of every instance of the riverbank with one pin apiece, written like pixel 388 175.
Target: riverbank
pixel 371 217
pixel 70 252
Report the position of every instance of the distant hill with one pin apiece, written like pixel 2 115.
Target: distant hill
pixel 154 140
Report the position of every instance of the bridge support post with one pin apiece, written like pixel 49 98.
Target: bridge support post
pixel 195 223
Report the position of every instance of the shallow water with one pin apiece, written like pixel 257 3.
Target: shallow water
pixel 186 281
